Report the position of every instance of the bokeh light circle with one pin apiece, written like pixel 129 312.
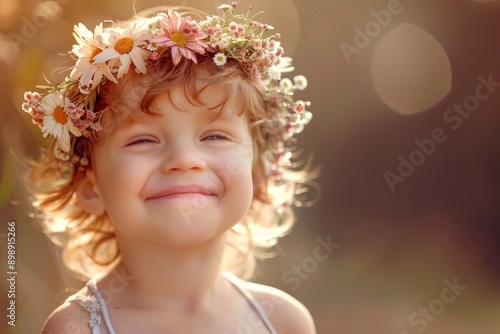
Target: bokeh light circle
pixel 410 70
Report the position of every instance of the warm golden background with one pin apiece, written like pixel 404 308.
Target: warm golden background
pixel 378 88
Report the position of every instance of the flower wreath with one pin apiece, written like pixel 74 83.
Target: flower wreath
pixel 66 110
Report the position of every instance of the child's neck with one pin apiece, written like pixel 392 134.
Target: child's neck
pixel 182 279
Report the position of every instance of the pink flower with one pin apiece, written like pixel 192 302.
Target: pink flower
pixel 32 105
pixel 300 106
pixel 233 26
pixel 154 56
pixel 182 36
pixel 257 44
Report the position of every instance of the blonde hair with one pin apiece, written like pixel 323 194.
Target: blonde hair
pixel 89 243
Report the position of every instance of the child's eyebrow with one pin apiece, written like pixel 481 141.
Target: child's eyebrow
pixel 225 113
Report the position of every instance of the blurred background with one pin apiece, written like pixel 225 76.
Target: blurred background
pixel 405 237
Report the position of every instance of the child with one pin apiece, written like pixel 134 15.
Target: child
pixel 170 167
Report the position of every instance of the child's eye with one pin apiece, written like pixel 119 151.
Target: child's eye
pixel 141 140
pixel 217 136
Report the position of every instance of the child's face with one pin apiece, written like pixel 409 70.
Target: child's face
pixel 180 177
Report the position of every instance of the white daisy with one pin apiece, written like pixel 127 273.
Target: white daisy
pixel 220 59
pixel 125 47
pixel 56 121
pixel 88 71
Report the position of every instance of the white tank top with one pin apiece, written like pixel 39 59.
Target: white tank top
pixel 96 306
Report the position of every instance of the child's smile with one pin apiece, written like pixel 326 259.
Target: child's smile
pixel 188 191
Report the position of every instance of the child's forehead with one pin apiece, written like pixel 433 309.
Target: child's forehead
pixel 137 98
pixel 207 96
pixel 217 106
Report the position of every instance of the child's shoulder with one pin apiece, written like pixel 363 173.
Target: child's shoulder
pixel 69 317
pixel 286 313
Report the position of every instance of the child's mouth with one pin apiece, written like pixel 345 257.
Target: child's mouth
pixel 190 191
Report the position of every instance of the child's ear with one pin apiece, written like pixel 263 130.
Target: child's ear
pixel 88 196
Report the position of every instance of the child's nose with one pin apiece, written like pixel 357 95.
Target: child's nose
pixel 182 155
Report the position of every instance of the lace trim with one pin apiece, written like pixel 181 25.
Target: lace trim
pixel 96 306
pixel 91 305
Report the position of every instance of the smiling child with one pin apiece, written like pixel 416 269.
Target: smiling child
pixel 170 165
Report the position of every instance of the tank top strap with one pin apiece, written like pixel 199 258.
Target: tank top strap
pixel 240 286
pixel 96 306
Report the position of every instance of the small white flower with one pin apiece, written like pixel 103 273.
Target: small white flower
pixel 152 47
pixel 306 117
pixel 220 59
pixel 300 82
pixel 225 6
pixel 286 84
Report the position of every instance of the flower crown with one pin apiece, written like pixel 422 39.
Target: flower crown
pixel 66 110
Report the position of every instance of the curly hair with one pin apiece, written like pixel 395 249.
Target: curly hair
pixel 89 242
